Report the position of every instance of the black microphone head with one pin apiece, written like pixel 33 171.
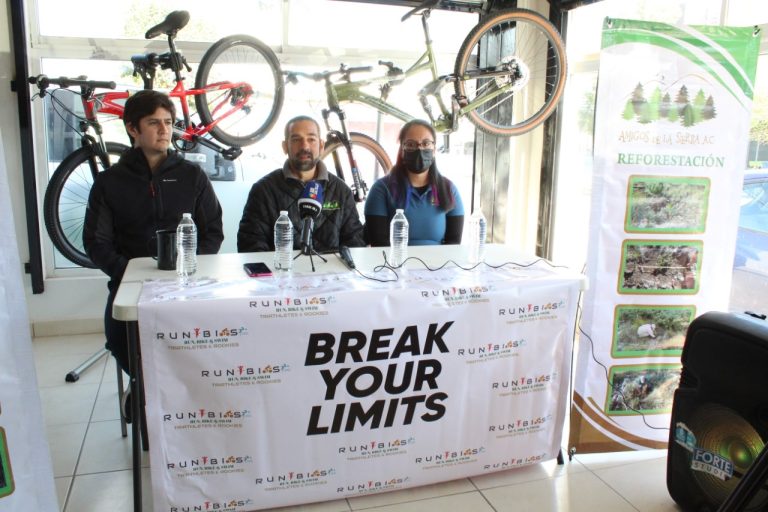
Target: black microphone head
pixel 311 200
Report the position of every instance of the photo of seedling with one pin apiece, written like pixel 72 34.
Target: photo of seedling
pixel 660 267
pixel 642 389
pixel 666 204
pixel 648 331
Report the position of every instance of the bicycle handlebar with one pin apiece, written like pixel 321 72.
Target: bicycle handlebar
pixel 290 76
pixel 43 81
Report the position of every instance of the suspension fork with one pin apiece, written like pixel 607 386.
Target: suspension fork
pixel 97 145
pixel 359 188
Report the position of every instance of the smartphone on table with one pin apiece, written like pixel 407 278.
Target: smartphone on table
pixel 257 269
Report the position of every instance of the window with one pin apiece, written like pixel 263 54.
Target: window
pixel 308 35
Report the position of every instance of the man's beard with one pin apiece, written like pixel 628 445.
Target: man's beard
pixel 299 165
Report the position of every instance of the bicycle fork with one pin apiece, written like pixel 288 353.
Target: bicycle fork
pixel 359 188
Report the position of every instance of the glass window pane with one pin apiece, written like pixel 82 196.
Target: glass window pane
pixel 750 268
pixel 332 24
pixel 233 180
pixel 131 18
pixel 747 12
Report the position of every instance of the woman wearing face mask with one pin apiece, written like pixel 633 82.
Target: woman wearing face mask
pixel 431 202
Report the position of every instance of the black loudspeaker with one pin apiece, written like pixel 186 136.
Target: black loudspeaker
pixel 720 411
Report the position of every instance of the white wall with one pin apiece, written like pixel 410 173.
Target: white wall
pixel 73 304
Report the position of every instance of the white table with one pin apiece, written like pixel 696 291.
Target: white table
pixel 229 266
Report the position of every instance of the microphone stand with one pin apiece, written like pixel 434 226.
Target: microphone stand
pixel 308 250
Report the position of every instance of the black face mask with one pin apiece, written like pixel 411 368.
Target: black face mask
pixel 418 160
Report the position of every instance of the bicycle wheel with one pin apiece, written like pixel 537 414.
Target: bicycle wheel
pixel 372 161
pixel 66 198
pixel 529 49
pixel 239 59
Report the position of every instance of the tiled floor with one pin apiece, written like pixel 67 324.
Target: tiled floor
pixel 91 461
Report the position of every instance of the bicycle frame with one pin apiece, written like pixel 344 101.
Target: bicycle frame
pixel 447 120
pixel 111 103
pixel 351 91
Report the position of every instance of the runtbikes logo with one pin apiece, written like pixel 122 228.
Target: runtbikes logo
pixel 532 311
pixel 457 295
pixel 374 449
pixel 292 307
pixel 295 479
pixel 524 384
pixel 206 465
pixel 370 486
pixel 514 462
pixel 520 426
pixel 244 375
pixel 231 505
pixel 199 338
pixel 450 457
pixel 207 418
pixel 489 351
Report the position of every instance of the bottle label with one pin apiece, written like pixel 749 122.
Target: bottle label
pixel 6 477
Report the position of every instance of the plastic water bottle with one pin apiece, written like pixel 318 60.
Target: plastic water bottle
pixel 477 231
pixel 186 247
pixel 398 239
pixel 283 242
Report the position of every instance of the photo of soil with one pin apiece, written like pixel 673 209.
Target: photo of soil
pixel 663 267
pixel 642 389
pixel 648 331
pixel 666 204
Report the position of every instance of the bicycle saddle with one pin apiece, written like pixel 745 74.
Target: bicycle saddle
pixel 170 25
pixel 425 5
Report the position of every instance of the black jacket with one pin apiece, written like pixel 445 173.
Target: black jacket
pixel 128 203
pixel 338 222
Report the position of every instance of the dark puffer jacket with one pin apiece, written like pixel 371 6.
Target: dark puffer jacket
pixel 128 203
pixel 338 222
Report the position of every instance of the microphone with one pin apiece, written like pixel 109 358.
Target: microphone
pixel 310 205
pixel 347 257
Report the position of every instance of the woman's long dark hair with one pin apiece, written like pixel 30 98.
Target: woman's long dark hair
pixel 398 176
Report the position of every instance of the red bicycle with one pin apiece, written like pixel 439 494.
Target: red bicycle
pixel 238 95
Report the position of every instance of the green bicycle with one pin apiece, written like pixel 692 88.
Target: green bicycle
pixel 508 78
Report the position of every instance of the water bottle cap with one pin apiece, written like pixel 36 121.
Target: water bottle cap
pixel 186 215
pixel 283 212
pixel 399 210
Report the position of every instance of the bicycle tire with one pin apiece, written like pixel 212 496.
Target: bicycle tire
pixel 66 198
pixel 240 58
pixel 533 40
pixel 372 160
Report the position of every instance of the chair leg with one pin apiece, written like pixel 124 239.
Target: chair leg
pixel 120 393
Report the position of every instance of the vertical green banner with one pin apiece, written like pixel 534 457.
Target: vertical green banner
pixel 671 131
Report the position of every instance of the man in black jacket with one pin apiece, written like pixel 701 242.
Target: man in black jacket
pixel 148 189
pixel 338 223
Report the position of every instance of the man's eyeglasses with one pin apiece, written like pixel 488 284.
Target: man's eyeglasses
pixel 412 145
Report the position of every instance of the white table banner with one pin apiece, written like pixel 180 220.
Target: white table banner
pixel 270 392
